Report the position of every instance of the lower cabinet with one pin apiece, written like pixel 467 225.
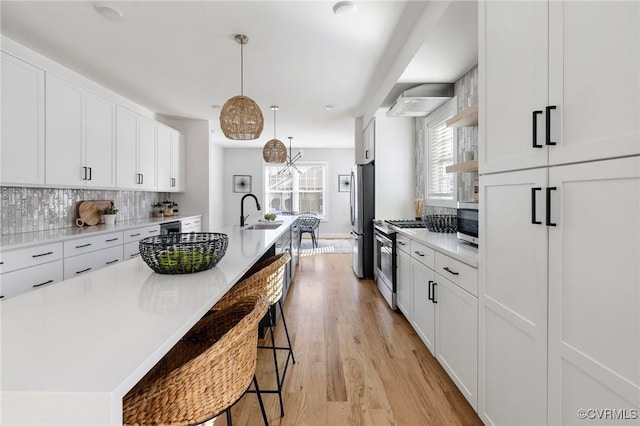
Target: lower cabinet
pixel 443 310
pixel 78 265
pixel 191 225
pixel 403 283
pixel 18 282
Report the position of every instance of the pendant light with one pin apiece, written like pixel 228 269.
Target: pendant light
pixel 291 161
pixel 240 117
pixel 274 151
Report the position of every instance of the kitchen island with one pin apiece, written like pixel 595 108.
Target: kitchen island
pixel 72 350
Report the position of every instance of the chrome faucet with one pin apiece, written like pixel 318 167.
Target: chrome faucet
pixel 242 216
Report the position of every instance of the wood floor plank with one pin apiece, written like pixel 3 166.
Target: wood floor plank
pixel 358 362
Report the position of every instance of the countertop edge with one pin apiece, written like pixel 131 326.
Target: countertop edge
pixel 471 261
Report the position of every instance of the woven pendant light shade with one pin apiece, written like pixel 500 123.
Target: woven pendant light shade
pixel 274 151
pixel 241 119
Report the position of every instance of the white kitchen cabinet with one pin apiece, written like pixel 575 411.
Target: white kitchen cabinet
pixel 133 236
pixel 81 264
pixel 594 289
pixel 403 277
pixel 594 87
pixel 171 160
pixel 512 299
pixel 136 151
pixel 423 318
pixel 22 145
pixel 191 225
pixel 80 143
pixel 23 280
pixel 457 336
pixel 557 61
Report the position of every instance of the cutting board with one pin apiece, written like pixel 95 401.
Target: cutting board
pixel 89 211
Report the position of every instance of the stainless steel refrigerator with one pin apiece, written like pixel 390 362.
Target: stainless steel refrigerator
pixel 362 214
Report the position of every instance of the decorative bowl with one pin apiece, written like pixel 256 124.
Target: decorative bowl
pixel 183 253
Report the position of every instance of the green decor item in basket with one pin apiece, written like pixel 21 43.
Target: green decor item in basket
pixel 183 253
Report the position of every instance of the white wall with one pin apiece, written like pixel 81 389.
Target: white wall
pixel 245 161
pixel 394 162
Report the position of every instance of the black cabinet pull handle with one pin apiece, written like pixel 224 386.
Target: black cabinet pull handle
pixel 41 284
pixel 90 173
pixel 134 255
pixel 42 254
pixel 419 253
pixel 141 178
pixel 1 263
pixel 434 292
pixel 84 270
pixel 2 296
pixel 548 124
pixel 430 296
pixel 533 206
pixel 112 239
pixel 548 221
pixel 446 268
pixel 153 231
pixel 111 261
pixel 134 235
pixel 84 174
pixel 401 243
pixel 535 129
pixel 84 245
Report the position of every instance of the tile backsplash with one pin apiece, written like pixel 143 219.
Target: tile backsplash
pixel 40 209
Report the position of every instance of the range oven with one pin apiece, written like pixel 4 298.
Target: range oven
pixel 385 261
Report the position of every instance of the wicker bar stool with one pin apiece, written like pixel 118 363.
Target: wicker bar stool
pixel 266 277
pixel 205 373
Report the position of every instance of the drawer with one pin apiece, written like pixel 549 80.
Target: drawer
pixel 88 244
pixel 18 282
pixel 137 234
pixel 423 254
pixel 131 250
pixel 191 225
pixel 12 260
pixel 78 265
pixel 457 272
pixel 403 243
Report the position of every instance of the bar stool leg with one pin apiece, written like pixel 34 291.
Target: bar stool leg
pixel 264 413
pixel 229 421
pixel 272 321
pixel 286 331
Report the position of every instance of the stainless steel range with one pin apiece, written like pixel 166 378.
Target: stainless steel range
pixel 385 255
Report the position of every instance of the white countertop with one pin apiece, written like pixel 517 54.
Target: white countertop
pixel 72 350
pixel 445 243
pixel 25 239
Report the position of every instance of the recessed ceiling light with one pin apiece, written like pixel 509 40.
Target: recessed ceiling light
pixel 215 106
pixel 329 107
pixel 108 11
pixel 344 8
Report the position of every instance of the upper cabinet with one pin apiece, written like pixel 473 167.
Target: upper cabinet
pixel 80 136
pixel 22 123
pixel 136 148
pixel 577 98
pixel 365 153
pixel 171 159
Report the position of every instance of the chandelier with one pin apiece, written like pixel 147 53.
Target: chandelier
pixel 274 151
pixel 291 161
pixel 240 117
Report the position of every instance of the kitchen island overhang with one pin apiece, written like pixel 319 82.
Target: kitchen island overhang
pixel 71 351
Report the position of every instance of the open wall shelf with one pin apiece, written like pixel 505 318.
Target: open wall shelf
pixel 467 166
pixel 466 118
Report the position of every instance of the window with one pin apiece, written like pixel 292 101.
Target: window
pixel 296 192
pixel 440 153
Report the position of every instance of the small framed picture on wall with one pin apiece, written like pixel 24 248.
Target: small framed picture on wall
pixel 241 183
pixel 344 181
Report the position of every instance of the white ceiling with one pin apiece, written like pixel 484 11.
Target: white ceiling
pixel 179 57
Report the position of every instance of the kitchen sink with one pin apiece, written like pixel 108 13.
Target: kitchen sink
pixel 264 226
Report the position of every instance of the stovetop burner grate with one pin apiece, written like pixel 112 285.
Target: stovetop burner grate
pixel 407 223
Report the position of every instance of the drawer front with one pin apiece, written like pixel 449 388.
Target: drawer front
pixel 137 234
pixel 12 260
pixel 457 272
pixel 79 246
pixel 403 243
pixel 78 265
pixel 18 282
pixel 423 254
pixel 131 250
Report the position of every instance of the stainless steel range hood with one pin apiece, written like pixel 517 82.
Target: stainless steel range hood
pixel 421 100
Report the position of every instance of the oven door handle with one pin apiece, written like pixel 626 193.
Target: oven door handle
pixel 382 239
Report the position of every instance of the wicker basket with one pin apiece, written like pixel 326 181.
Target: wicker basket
pixel 441 223
pixel 183 253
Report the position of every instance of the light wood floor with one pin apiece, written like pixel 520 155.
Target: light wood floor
pixel 358 362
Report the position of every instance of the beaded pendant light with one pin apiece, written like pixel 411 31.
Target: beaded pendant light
pixel 274 151
pixel 241 118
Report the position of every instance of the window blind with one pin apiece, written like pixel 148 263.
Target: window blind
pixel 440 154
